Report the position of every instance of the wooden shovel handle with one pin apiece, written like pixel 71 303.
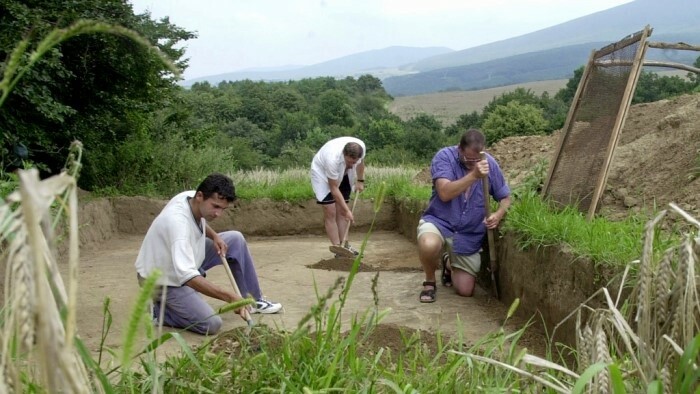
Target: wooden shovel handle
pixel 347 228
pixel 246 314
pixel 493 266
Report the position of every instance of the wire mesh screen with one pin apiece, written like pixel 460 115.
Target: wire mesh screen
pixel 584 147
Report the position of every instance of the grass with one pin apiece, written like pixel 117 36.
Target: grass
pixel 294 185
pixel 447 107
pixel 540 224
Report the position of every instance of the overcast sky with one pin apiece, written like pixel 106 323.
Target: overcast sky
pixel 239 34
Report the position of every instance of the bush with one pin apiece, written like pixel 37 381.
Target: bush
pixel 513 119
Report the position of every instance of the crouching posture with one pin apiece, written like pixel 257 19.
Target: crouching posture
pixel 453 227
pixel 181 245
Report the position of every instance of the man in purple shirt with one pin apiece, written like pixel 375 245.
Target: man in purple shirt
pixel 453 227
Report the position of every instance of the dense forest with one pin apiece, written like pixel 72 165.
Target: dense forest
pixel 142 133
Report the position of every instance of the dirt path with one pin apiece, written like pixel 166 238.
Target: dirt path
pixel 282 268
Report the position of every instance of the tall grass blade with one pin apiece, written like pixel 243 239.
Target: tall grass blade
pixel 94 367
pixel 616 380
pixel 586 377
pixel 138 314
pixel 106 326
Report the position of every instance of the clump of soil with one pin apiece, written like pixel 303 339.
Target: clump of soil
pixel 345 264
pixel 398 340
pixel 341 264
pixel 391 337
pixel 241 340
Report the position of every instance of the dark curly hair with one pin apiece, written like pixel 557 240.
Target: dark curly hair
pixel 220 184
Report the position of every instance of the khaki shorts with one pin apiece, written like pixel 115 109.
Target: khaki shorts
pixel 471 264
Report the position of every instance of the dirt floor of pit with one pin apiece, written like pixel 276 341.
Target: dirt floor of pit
pixel 282 266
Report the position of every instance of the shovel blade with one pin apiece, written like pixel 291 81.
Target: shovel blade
pixel 341 251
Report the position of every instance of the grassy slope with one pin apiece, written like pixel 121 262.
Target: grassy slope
pixel 448 106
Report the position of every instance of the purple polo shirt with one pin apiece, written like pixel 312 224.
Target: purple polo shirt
pixel 462 218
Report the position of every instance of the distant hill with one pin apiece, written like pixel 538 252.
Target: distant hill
pixel 551 64
pixel 379 62
pixel 555 52
pixel 668 17
pixel 547 54
pixel 556 63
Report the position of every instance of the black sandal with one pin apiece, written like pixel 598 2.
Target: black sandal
pixel 446 277
pixel 430 294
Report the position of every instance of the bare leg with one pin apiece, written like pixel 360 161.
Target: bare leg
pixel 463 282
pixel 331 224
pixel 342 226
pixel 429 248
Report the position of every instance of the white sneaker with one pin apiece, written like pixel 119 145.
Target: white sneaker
pixel 351 249
pixel 264 306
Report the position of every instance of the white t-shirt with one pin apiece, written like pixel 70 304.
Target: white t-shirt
pixel 174 244
pixel 329 163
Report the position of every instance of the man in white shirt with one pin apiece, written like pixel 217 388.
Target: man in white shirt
pixel 337 166
pixel 183 247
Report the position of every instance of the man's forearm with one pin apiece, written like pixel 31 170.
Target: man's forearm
pixel 202 285
pixel 360 171
pixel 503 205
pixel 448 190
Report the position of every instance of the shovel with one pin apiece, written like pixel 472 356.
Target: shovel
pixel 343 250
pixel 493 262
pixel 246 313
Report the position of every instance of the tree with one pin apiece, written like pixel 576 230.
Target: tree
pixel 465 122
pixel 382 132
pixel 369 84
pixel 94 88
pixel 521 95
pixel 553 110
pixel 334 109
pixel 695 77
pixel 652 87
pixel 424 136
pixel 513 119
pixel 567 94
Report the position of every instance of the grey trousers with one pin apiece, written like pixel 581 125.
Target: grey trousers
pixel 185 307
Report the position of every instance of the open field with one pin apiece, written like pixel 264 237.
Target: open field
pixel 448 106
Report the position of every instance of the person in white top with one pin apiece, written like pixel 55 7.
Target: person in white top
pixel 182 246
pixel 335 168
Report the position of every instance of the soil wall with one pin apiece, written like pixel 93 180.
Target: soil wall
pixel 254 218
pixel 549 281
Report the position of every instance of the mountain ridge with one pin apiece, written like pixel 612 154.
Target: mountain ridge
pixel 408 70
pixel 350 65
pixel 668 17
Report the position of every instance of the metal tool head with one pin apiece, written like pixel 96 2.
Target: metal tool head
pixel 341 251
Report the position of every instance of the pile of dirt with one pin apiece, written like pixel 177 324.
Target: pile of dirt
pixel 393 338
pixel 345 264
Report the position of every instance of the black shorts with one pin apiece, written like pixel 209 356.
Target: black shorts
pixel 345 190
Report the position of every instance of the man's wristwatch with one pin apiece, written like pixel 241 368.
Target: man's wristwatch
pixel 360 180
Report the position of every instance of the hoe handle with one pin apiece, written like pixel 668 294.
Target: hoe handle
pixel 493 262
pixel 246 314
pixel 347 228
